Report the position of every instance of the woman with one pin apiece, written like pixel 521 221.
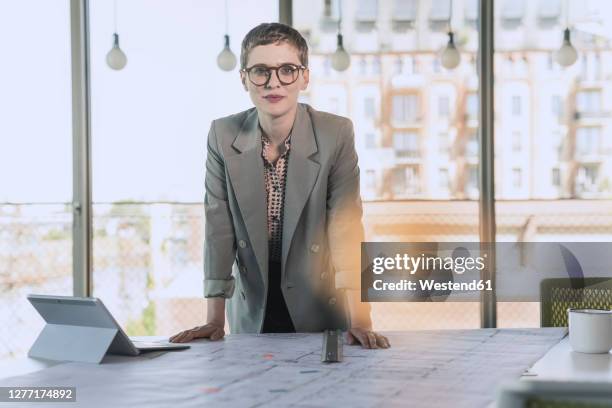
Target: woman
pixel 282 204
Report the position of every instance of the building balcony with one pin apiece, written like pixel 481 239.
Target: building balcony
pixel 413 123
pixel 408 155
pixel 400 25
pixel 408 80
pixel 328 24
pixel 591 116
pixel 590 155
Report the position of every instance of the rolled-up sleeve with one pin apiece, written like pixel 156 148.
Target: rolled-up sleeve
pixel 344 212
pixel 219 238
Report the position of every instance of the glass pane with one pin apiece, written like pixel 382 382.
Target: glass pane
pixel 471 11
pixel 418 153
pixel 513 10
pixel 366 10
pixel 150 122
pixel 440 10
pixel 405 10
pixel 552 132
pixel 549 10
pixel 35 165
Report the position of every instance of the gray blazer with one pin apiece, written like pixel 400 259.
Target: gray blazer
pixel 322 228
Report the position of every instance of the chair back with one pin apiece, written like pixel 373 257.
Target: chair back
pixel 559 294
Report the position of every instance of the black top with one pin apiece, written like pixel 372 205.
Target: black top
pixel 277 318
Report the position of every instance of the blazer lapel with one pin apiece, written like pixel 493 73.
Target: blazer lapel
pixel 246 173
pixel 302 173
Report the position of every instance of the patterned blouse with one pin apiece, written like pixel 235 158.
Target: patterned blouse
pixel 275 175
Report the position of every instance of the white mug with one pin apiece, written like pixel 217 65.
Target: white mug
pixel 590 330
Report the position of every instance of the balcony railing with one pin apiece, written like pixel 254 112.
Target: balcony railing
pixel 408 153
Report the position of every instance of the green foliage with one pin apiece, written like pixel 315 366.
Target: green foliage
pixel 605 185
pixel 57 235
pixel 145 326
pixel 132 215
pixel 150 282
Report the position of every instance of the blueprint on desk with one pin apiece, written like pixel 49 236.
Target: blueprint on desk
pixel 452 368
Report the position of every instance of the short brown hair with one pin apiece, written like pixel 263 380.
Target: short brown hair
pixel 272 33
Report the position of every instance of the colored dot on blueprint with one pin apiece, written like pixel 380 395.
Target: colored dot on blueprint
pixel 268 356
pixel 210 390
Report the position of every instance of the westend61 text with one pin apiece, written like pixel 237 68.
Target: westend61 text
pixel 431 284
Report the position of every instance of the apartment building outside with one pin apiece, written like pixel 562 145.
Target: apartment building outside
pixel 416 123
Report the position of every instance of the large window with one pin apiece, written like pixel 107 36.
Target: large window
pixel 406 144
pixel 551 124
pixel 35 165
pixel 588 101
pixel 416 126
pixel 588 141
pixel 150 122
pixel 419 180
pixel 405 108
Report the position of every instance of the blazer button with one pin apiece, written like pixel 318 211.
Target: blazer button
pixel 323 275
pixel 314 248
pixel 332 301
pixel 243 269
pixel 242 244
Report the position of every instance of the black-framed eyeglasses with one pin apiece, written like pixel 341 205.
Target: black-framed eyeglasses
pixel 260 75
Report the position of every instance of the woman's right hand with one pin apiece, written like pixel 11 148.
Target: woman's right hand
pixel 212 331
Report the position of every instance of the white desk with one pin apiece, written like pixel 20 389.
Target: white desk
pixel 447 368
pixel 563 364
pixel 22 366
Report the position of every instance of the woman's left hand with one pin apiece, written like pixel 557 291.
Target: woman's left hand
pixel 367 338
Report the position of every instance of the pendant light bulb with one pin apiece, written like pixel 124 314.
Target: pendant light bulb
pixel 340 59
pixel 450 57
pixel 116 58
pixel 567 54
pixel 226 60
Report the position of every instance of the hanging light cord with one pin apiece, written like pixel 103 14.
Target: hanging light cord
pixel 339 16
pixel 450 17
pixel 226 19
pixel 115 15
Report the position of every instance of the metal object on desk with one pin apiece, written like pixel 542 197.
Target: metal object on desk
pixel 332 346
